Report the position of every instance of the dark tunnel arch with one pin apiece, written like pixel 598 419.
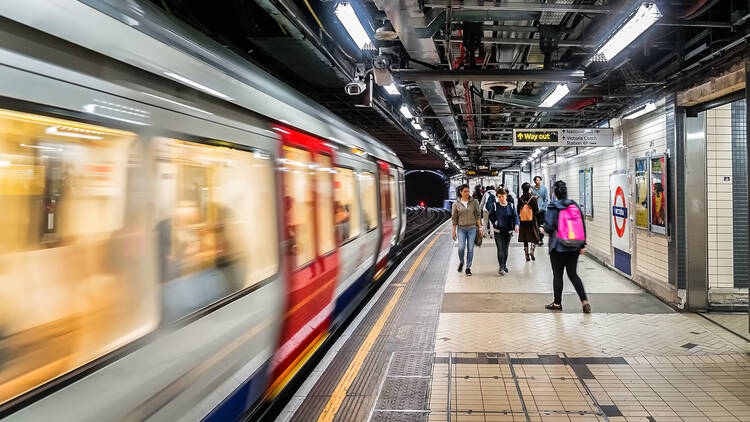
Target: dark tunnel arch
pixel 428 186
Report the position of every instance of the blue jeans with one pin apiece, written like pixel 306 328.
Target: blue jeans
pixel 466 238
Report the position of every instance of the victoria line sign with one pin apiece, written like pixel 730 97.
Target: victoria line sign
pixel 563 137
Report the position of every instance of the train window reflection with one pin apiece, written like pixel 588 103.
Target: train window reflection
pixel 346 205
pixel 369 199
pixel 214 237
pixel 74 247
pixel 298 204
pixel 324 204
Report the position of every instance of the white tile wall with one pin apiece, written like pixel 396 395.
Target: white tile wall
pixel 719 196
pixel 646 134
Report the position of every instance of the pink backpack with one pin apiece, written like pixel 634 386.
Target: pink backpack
pixel 570 227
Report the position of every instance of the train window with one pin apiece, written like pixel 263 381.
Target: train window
pixel 324 204
pixel 214 236
pixel 385 209
pixel 346 205
pixel 392 187
pixel 369 199
pixel 298 203
pixel 74 247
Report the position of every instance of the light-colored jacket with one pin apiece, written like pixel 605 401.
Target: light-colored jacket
pixel 485 198
pixel 466 216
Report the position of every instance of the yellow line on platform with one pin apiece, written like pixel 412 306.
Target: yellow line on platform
pixel 337 397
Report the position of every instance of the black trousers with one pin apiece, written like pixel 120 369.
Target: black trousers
pixel 540 216
pixel 502 241
pixel 565 261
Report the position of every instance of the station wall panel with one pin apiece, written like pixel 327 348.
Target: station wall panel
pixel 719 195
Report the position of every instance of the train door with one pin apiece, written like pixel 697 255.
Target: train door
pixel 386 218
pixel 402 203
pixel 312 261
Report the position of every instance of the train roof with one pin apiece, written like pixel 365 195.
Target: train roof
pixel 142 36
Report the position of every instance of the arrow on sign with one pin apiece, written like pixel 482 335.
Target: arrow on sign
pixel 520 136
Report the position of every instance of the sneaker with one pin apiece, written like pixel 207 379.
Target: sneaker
pixel 460 267
pixel 506 269
pixel 468 271
pixel 587 308
pixel 553 307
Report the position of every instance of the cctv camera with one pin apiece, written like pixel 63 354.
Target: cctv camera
pixel 423 149
pixel 355 88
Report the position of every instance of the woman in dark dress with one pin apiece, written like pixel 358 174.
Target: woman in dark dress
pixel 529 231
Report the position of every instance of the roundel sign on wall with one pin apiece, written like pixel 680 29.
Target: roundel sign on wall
pixel 619 198
pixel 619 212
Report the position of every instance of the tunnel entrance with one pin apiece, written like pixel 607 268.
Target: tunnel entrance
pixel 425 186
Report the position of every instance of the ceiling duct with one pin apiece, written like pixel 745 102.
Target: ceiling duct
pixel 409 21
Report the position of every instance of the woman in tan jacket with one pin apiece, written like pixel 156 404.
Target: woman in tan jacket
pixel 467 224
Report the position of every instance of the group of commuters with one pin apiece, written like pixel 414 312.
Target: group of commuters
pixel 491 213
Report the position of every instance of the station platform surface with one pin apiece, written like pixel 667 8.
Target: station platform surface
pixel 436 345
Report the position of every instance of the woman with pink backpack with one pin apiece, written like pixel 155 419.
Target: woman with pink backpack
pixel 567 241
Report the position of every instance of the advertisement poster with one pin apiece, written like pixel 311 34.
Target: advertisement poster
pixel 619 220
pixel 658 201
pixel 585 193
pixel 641 193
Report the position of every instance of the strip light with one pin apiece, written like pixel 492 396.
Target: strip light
pixel 391 89
pixel 646 15
pixel 640 111
pixel 352 24
pixel 405 112
pixel 424 135
pixel 416 126
pixel 56 131
pixel 197 85
pixel 557 94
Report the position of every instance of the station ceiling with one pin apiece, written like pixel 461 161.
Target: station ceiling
pixel 470 71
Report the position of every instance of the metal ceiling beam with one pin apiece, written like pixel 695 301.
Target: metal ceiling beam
pixel 525 41
pixel 519 7
pixel 695 24
pixel 491 75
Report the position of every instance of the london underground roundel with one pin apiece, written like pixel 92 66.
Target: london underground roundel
pixel 619 212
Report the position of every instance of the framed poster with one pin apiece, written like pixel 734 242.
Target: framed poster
pixel 658 192
pixel 585 191
pixel 641 193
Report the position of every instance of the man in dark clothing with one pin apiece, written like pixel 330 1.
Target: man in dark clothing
pixel 504 219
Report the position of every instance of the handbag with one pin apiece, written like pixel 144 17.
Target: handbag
pixel 478 240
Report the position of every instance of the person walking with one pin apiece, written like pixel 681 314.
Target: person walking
pixel 486 206
pixel 529 232
pixel 477 193
pixel 467 224
pixel 504 221
pixel 567 241
pixel 542 200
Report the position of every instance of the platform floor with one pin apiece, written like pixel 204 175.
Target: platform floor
pixel 436 345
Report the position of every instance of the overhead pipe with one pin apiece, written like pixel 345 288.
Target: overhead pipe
pixel 504 75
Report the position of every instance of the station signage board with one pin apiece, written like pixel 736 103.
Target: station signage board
pixel 563 137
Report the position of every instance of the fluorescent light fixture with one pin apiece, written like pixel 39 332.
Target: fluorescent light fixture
pixel 424 135
pixel 646 15
pixel 405 112
pixel 437 147
pixel 416 126
pixel 538 151
pixel 54 130
pixel 352 24
pixel 197 85
pixel 391 89
pixel 557 94
pixel 640 111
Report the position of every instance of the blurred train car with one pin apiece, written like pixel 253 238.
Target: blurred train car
pixel 180 231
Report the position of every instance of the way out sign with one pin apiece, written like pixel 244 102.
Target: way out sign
pixel 619 220
pixel 563 137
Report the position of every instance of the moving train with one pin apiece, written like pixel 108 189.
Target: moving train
pixel 180 231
